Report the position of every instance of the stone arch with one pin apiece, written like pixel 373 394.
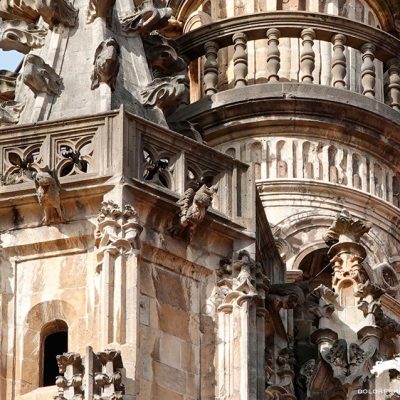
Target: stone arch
pixel 38 317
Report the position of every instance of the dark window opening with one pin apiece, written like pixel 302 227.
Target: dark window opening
pixel 54 343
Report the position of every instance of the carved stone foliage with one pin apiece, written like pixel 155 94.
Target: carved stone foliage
pixel 346 229
pixel 165 93
pixel 20 164
pixel 99 9
pixel 10 112
pixel 152 15
pixel 117 230
pixel 39 76
pixel 53 12
pixel 193 206
pixel 21 36
pixel 74 156
pixel 109 378
pixel 163 56
pixel 106 64
pixel 70 383
pixel 48 190
pixel 7 85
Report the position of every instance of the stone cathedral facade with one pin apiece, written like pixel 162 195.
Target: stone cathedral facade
pixel 199 200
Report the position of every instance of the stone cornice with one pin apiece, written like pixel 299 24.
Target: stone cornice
pixel 290 24
pixel 292 104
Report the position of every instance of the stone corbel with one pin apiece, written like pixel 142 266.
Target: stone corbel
pixel 70 383
pixel 39 76
pixel 21 36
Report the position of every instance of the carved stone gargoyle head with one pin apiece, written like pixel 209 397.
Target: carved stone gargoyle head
pixel 106 64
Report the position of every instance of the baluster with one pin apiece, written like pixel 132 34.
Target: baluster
pixel 368 70
pixel 211 68
pixel 307 56
pixel 394 83
pixel 273 55
pixel 339 61
pixel 240 59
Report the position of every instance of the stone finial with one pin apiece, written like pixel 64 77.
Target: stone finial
pixel 193 206
pixel 70 384
pixel 21 36
pixel 10 112
pixel 346 229
pixel 106 64
pixel 109 378
pixel 48 190
pixel 39 76
pixel 99 9
pixel 165 93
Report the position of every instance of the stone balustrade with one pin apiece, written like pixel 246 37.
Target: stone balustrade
pixel 277 158
pixel 82 153
pixel 294 46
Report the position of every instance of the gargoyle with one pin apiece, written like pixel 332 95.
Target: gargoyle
pixel 287 295
pixel 152 15
pixel 39 76
pixel 48 193
pixel 99 9
pixel 56 12
pixel 106 64
pixel 192 209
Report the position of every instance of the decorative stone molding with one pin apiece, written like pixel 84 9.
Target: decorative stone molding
pixel 109 379
pixel 150 17
pixel 165 93
pixel 20 164
pixel 163 56
pixel 48 190
pixel 106 64
pixel 10 112
pixel 193 206
pixel 39 76
pixel 70 384
pixel 117 230
pixel 99 9
pixel 21 36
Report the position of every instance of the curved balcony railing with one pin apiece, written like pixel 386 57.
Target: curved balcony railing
pixel 370 55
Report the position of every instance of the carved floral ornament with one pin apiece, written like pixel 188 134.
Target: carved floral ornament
pixel 104 366
pixel 117 231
